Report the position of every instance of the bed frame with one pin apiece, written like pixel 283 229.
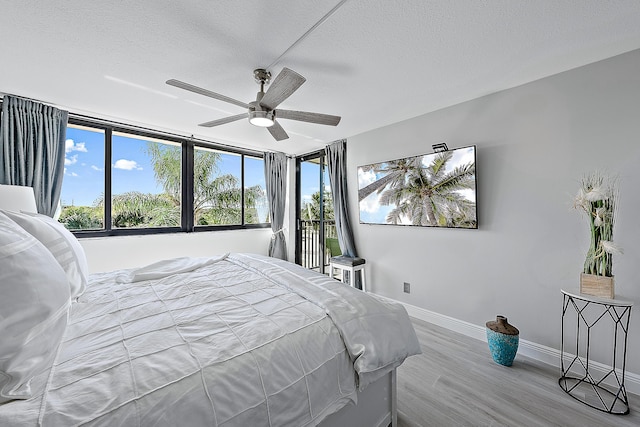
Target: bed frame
pixel 376 407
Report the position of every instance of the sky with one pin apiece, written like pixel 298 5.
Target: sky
pixel 310 181
pixel 372 212
pixel 83 180
pixel 132 170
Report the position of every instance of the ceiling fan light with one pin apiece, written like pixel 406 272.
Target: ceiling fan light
pixel 262 119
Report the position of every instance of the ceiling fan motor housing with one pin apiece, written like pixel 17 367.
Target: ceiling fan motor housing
pixel 261 75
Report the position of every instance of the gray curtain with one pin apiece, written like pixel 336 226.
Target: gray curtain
pixel 337 165
pixel 32 143
pixel 275 173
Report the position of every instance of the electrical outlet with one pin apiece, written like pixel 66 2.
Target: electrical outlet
pixel 407 287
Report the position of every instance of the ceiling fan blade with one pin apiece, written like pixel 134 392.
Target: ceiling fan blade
pixel 303 116
pixel 205 92
pixel 277 132
pixel 285 83
pixel 229 119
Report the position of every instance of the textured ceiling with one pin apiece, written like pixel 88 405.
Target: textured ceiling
pixel 372 62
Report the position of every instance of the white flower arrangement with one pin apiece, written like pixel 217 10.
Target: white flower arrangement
pixel 598 197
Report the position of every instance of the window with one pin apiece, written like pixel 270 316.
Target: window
pixel 129 181
pixel 83 183
pixel 217 190
pixel 218 196
pixel 315 215
pixel 146 182
pixel 256 208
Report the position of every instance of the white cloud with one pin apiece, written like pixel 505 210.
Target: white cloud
pixel 96 168
pixel 468 194
pixel 427 159
pixel 365 177
pixel 70 160
pixel 127 165
pixel 71 145
pixel 69 173
pixel 371 203
pixel 463 156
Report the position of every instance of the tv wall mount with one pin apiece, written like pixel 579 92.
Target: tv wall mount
pixel 440 147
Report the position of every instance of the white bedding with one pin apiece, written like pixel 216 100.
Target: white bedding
pixel 239 340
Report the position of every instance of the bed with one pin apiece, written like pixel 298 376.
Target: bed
pixel 231 340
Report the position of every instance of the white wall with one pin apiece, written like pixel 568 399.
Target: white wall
pixel 112 253
pixel 534 143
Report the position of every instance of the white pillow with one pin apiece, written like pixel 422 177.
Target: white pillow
pixel 66 250
pixel 34 307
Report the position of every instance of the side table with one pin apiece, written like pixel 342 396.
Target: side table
pixel 578 377
pixel 352 266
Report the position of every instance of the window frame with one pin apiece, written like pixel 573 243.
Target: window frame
pixel 188 145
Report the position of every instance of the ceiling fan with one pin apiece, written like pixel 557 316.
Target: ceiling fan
pixel 262 112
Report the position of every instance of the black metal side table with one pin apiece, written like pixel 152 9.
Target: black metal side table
pixel 605 389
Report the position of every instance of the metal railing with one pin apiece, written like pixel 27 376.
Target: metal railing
pixel 315 256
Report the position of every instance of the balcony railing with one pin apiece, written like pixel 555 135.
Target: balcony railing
pixel 315 256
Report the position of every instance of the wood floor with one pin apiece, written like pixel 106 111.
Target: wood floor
pixel 455 383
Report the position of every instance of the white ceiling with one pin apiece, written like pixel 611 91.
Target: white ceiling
pixel 372 62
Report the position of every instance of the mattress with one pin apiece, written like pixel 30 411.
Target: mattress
pixel 235 340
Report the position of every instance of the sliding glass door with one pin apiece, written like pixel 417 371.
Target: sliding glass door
pixel 315 231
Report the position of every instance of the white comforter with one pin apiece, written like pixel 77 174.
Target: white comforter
pixel 239 340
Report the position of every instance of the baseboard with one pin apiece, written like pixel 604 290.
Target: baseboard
pixel 539 352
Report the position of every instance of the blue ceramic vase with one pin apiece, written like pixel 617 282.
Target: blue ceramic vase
pixel 503 340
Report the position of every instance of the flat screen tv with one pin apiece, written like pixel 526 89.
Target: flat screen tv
pixel 431 190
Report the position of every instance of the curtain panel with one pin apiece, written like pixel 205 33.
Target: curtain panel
pixel 32 149
pixel 337 166
pixel 275 172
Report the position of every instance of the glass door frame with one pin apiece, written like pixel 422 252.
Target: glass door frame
pixel 320 156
